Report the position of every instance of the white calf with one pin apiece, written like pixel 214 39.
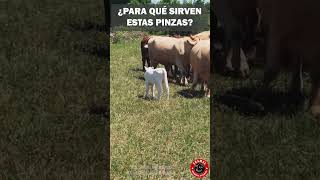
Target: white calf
pixel 155 77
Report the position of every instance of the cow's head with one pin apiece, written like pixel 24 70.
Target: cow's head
pixel 193 40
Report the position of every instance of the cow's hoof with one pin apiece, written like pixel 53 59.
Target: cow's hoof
pixel 315 110
pixel 228 70
pixel 245 74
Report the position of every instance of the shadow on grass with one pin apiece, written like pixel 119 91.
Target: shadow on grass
pixel 87 26
pixel 147 98
pixel 99 50
pixel 99 109
pixel 251 101
pixel 188 93
pixel 140 78
pixel 137 70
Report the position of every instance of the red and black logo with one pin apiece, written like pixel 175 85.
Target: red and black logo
pixel 199 168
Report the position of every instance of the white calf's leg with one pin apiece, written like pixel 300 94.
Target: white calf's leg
pixel 152 90
pixel 147 89
pixel 159 87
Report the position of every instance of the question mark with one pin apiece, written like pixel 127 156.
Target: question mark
pixel 190 22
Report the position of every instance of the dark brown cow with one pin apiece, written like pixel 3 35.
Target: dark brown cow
pixel 293 40
pixel 239 20
pixel 144 51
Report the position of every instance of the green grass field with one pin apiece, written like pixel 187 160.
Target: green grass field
pixel 162 137
pixel 52 71
pixel 282 144
pixel 52 74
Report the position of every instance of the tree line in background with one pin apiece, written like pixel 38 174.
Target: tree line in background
pixel 168 2
pixel 171 2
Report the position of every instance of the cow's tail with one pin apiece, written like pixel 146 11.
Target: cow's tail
pixel 165 77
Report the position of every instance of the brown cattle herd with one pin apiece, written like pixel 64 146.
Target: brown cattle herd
pixel 287 30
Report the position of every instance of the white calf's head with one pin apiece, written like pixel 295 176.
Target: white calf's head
pixel 148 68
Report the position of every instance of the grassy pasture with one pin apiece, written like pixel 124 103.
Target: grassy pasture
pixel 282 143
pixel 52 71
pixel 149 135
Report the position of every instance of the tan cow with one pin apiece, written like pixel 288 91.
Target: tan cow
pixel 203 35
pixel 170 51
pixel 200 63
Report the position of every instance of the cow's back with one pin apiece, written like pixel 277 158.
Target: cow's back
pixel 293 25
pixel 203 35
pixel 164 50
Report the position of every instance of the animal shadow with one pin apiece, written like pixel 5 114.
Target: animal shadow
pixel 146 98
pixel 141 78
pixel 188 93
pixel 99 50
pixel 252 101
pixel 87 26
pixel 99 109
pixel 137 69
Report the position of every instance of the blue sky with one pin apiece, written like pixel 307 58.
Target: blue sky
pixel 155 1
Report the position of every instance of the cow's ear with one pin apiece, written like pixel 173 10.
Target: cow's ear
pixel 192 37
pixel 193 42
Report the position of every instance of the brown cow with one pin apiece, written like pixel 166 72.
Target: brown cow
pixel 200 63
pixel 239 20
pixel 170 51
pixel 144 51
pixel 293 31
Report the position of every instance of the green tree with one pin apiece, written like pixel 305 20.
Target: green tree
pixel 198 2
pixel 187 2
pixel 171 2
pixel 120 1
pixel 138 2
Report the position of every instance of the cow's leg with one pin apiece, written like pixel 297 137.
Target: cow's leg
pixel 176 72
pixel 168 69
pixel 228 60
pixel 208 93
pixel 184 77
pixel 272 68
pixel 189 71
pixel 143 63
pixel 203 88
pixel 244 67
pixel 159 87
pixel 195 80
pixel 272 62
pixel 259 13
pixel 206 89
pixel 296 88
pixel 251 54
pixel 148 62
pixel 315 97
